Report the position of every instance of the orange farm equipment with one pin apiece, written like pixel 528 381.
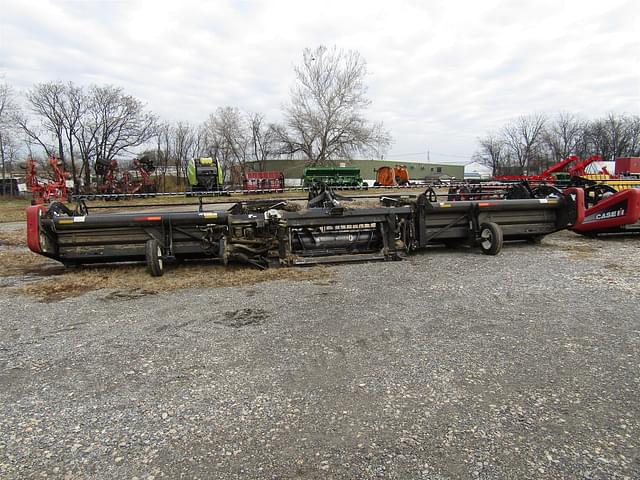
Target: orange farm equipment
pixel 392 176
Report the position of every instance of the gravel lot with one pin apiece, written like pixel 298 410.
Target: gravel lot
pixel 447 365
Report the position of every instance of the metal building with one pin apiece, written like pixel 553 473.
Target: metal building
pixel 293 169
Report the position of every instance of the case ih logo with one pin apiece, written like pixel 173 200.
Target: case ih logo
pixel 610 214
pixel 617 211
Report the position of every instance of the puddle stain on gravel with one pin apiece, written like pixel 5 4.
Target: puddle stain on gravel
pixel 242 318
pixel 234 319
pixel 130 294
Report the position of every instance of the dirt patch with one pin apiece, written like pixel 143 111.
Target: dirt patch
pixel 576 246
pixel 243 317
pixel 13 238
pixel 132 281
pixel 21 262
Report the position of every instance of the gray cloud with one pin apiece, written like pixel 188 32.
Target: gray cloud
pixel 441 73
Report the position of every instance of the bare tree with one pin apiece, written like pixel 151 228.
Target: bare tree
pixel 8 113
pixel 58 107
pixel 184 147
pixel 562 136
pixel 113 124
pixel 633 132
pixel 72 109
pixel 617 129
pixel 325 116
pixel 523 138
pixel 227 140
pixel 492 153
pixel 164 151
pixel 44 101
pixel 532 139
pixel 264 139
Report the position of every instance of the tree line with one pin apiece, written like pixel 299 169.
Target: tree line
pixel 531 143
pixel 324 120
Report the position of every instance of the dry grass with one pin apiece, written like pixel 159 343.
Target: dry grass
pixel 13 238
pixel 363 203
pixel 13 210
pixel 133 280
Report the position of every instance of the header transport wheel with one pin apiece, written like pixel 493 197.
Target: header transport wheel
pixel 491 238
pixel 153 254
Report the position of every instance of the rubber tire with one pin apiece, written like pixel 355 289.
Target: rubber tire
pixel 492 233
pixel 153 255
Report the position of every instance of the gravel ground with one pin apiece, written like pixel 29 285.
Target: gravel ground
pixel 447 365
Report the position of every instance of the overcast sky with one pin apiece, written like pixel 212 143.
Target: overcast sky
pixel 441 73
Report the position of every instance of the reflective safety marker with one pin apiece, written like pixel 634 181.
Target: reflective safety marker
pixel 486 204
pixel 65 221
pixel 148 219
pixel 209 215
pixel 78 219
pixel 442 204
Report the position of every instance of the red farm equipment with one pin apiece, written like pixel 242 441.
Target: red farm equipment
pixel 136 180
pixel 257 182
pixel 107 173
pixel 602 210
pixel 139 180
pixel 627 166
pixel 550 174
pixel 45 192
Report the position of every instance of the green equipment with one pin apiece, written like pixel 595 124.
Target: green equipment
pixel 205 174
pixel 332 177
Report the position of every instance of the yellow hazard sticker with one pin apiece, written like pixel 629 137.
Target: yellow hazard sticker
pixel 210 215
pixel 442 204
pixel 65 221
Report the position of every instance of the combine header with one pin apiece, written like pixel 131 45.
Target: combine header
pixel 267 233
